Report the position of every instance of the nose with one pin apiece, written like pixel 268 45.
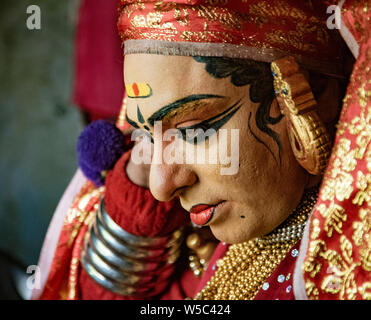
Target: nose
pixel 167 181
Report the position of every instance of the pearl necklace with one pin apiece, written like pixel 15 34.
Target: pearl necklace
pixel 242 271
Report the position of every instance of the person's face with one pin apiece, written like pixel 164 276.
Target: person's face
pixel 253 201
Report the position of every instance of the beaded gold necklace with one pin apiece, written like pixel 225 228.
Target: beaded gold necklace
pixel 242 271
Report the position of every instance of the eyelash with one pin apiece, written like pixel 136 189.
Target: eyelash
pixel 207 124
pixel 204 126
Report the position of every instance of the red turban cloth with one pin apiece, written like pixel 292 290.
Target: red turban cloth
pixel 258 30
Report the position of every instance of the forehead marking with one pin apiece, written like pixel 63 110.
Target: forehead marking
pixel 138 90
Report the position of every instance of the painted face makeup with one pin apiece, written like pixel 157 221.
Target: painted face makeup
pixel 138 90
pixel 213 123
pixel 204 94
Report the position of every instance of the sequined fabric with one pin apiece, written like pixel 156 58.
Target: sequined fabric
pixel 259 30
pixel 338 261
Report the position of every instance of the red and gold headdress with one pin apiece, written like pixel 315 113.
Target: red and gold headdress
pixel 258 30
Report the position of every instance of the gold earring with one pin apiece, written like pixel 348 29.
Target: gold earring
pixel 308 137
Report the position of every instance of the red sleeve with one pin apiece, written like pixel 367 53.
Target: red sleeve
pixel 135 209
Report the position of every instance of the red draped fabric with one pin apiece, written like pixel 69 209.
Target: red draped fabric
pixel 99 86
pixel 338 260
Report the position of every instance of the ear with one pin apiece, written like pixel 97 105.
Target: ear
pixel 308 136
pixel 329 104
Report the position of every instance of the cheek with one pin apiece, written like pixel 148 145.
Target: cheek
pixel 256 162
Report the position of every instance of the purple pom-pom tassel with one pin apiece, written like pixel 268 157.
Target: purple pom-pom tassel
pixel 99 146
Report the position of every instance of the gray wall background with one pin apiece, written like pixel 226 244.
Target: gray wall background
pixel 38 125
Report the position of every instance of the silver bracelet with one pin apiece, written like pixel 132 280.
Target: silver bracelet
pixel 127 264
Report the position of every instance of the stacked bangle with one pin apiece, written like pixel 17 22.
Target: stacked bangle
pixel 127 264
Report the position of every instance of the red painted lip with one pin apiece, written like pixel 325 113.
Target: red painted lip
pixel 200 207
pixel 202 217
pixel 202 213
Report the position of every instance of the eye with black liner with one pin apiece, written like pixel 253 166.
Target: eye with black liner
pixel 197 133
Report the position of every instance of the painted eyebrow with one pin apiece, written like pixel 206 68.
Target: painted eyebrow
pixel 161 113
pixel 218 115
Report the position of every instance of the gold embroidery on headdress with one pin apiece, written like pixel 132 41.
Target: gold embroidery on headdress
pixel 260 13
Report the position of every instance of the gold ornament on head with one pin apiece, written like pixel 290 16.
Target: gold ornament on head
pixel 309 139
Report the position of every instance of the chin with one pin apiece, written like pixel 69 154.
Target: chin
pixel 231 229
pixel 229 235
